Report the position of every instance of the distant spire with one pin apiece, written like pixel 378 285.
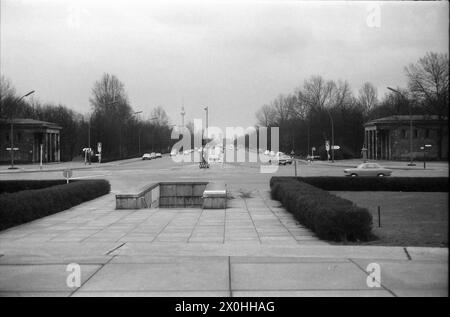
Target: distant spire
pixel 182 116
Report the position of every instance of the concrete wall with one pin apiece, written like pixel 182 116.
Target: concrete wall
pixel 164 194
pixel 186 194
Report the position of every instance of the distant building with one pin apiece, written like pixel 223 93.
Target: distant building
pixel 388 138
pixel 29 134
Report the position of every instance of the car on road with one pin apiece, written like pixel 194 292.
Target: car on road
pixel 282 158
pixel 158 155
pixel 368 169
pixel 147 156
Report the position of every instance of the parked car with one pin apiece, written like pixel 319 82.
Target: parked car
pixel 368 169
pixel 146 156
pixel 158 155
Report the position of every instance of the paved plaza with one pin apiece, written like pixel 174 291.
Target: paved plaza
pixel 254 247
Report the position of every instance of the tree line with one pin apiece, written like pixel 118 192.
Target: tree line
pixel 304 116
pixel 112 121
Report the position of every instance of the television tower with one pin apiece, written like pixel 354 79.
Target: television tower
pixel 182 116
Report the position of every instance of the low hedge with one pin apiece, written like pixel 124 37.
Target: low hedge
pixel 12 186
pixel 23 206
pixel 403 184
pixel 328 216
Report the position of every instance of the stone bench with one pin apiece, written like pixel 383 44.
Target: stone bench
pixel 215 196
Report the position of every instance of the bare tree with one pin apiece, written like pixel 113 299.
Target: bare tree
pixel 159 116
pixel 368 97
pixel 265 115
pixel 341 94
pixel 428 82
pixel 317 92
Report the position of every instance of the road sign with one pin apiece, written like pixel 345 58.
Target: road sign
pixel 67 174
pixel 335 147
pixel 14 149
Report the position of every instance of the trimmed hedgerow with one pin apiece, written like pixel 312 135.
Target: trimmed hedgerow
pixel 23 206
pixel 12 186
pixel 403 184
pixel 328 216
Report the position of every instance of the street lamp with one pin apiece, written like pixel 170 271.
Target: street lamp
pixel 12 130
pixel 139 130
pixel 332 135
pixel 203 147
pixel 411 163
pixel 89 128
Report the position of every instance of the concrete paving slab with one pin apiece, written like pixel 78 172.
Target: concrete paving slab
pixel 152 294
pixel 428 254
pixel 211 275
pixel 401 276
pixel 296 276
pixel 35 278
pixel 314 293
pixel 34 294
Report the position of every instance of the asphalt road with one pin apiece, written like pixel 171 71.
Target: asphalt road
pixel 130 175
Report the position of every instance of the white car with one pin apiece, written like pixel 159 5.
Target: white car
pixel 282 158
pixel 368 169
pixel 146 156
pixel 158 155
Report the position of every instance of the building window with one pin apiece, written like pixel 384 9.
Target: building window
pixel 403 134
pixel 416 133
pixel 427 133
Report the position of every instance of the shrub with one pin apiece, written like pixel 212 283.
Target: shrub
pixel 23 206
pixel 329 216
pixel 11 186
pixel 404 184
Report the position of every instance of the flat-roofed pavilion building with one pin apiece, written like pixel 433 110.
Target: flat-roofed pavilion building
pixel 29 134
pixel 388 138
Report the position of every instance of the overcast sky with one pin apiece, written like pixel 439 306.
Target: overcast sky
pixel 232 57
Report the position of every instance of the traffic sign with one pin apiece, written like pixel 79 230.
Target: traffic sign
pixel 14 149
pixel 67 174
pixel 335 147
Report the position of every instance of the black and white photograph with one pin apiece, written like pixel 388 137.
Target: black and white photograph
pixel 224 154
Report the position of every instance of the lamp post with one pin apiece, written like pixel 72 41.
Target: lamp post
pixel 206 129
pixel 12 130
pixel 139 130
pixel 411 163
pixel 332 135
pixel 89 127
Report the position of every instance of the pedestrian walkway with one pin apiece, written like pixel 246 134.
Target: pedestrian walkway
pixel 253 248
pixel 60 166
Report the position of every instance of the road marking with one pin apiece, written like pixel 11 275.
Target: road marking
pixel 90 176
